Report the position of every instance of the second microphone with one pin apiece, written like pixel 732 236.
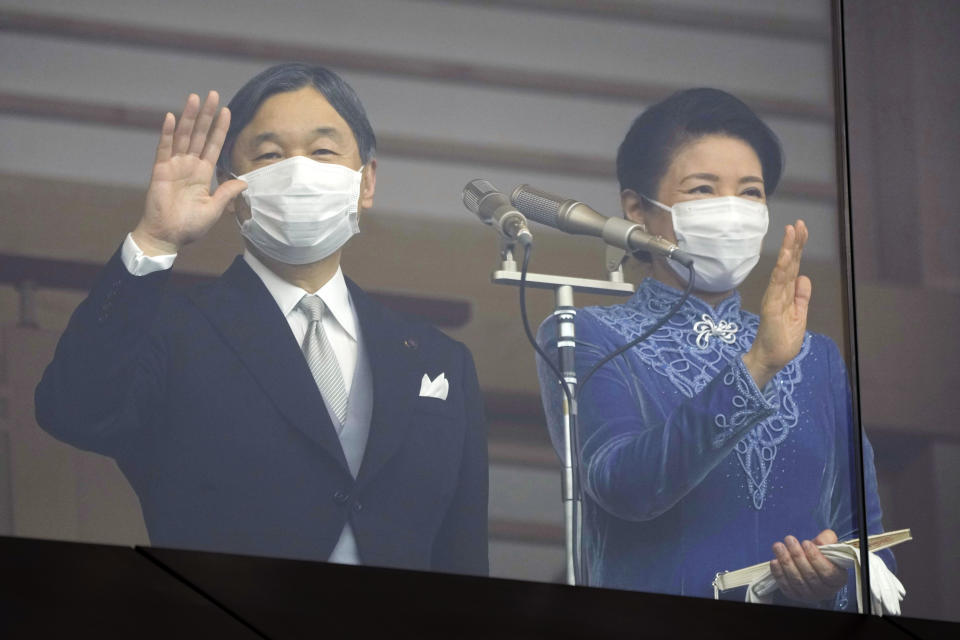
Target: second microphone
pixel 577 218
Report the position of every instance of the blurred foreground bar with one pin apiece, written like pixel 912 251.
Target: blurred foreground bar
pixel 52 589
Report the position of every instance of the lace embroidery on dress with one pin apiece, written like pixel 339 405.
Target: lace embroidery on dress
pixel 682 351
pixel 736 377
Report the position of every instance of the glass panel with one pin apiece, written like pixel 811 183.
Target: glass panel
pixel 902 148
pixel 690 467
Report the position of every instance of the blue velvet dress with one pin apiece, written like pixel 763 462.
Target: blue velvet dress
pixel 688 468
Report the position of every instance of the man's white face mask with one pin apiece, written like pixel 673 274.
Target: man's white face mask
pixel 724 235
pixel 301 210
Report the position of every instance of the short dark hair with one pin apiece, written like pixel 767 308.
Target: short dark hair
pixel 291 76
pixel 661 130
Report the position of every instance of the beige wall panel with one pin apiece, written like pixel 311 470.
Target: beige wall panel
pixel 160 80
pixel 519 493
pixel 909 373
pixel 524 561
pixel 471 34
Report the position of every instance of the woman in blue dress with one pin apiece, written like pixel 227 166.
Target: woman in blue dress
pixel 725 439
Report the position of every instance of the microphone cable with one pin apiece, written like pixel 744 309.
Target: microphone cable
pixel 527 251
pixel 610 356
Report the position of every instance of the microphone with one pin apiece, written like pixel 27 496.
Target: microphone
pixel 494 209
pixel 577 218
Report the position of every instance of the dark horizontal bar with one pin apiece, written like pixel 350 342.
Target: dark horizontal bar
pixel 497 156
pixel 525 531
pixel 516 406
pixel 79 276
pixel 360 60
pixel 523 455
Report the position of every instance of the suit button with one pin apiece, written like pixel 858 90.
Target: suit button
pixel 340 497
pixel 357 506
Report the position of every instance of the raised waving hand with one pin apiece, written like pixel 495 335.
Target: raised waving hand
pixel 179 207
pixel 783 311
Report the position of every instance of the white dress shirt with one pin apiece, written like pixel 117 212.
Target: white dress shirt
pixel 340 324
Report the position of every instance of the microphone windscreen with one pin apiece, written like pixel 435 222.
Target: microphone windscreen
pixel 537 205
pixel 474 192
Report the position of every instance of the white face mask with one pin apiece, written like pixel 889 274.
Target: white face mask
pixel 724 236
pixel 301 210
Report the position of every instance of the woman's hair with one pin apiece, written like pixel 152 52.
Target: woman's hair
pixel 663 129
pixel 292 76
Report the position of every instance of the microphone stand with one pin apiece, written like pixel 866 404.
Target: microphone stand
pixel 565 313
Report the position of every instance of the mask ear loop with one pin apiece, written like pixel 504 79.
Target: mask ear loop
pixel 359 196
pixel 657 203
pixel 239 223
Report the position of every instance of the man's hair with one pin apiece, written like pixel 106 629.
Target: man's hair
pixel 663 129
pixel 291 76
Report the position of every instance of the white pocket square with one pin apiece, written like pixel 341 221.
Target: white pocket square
pixel 436 388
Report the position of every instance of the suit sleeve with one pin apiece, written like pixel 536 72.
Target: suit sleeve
pixel 106 377
pixel 461 545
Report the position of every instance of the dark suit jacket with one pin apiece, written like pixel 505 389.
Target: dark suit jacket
pixel 209 408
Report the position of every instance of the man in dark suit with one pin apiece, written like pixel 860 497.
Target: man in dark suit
pixel 279 410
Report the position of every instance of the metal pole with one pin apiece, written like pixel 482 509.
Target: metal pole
pixel 565 314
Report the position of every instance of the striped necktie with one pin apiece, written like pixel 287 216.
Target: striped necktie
pixel 321 359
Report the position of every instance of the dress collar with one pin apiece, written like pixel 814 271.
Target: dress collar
pixel 334 294
pixel 654 294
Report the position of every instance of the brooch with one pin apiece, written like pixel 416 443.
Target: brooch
pixel 706 329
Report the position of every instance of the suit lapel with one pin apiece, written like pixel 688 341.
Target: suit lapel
pixel 396 370
pixel 247 316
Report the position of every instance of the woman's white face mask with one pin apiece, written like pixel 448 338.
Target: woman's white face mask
pixel 301 210
pixel 724 235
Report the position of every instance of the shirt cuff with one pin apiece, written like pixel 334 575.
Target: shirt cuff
pixel 140 264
